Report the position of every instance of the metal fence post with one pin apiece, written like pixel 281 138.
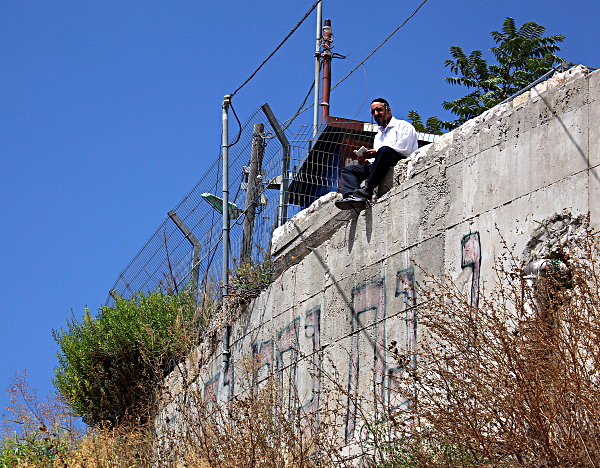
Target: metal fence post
pixel 189 235
pixel 225 269
pixel 285 165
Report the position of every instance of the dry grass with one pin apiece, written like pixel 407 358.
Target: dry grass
pixel 513 383
pixel 257 428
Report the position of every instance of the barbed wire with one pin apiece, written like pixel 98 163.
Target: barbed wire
pixel 169 260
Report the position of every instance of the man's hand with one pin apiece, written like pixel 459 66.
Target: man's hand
pixel 362 159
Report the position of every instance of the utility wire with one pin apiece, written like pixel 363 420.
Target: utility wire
pixel 278 47
pixel 299 111
pixel 380 45
pixel 366 58
pixel 239 125
pixel 285 125
pixel 366 85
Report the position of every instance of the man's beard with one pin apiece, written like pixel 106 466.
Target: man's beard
pixel 381 121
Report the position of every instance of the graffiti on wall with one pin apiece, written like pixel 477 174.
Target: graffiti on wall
pixel 287 359
pixel 288 362
pixel 405 288
pixel 367 324
pixel 312 331
pixel 471 258
pixel 295 348
pixel 262 354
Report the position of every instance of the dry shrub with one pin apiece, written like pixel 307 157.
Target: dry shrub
pixel 113 448
pixel 44 433
pixel 515 381
pixel 264 426
pixel 37 432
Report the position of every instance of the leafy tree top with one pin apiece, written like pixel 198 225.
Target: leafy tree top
pixel 522 55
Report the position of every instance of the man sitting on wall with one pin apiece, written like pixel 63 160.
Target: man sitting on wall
pixel 395 140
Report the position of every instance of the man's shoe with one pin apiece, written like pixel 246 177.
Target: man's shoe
pixel 363 193
pixel 350 202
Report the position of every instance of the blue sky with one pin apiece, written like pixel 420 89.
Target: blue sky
pixel 110 111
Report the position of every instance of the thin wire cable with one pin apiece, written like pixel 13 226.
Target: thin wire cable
pixel 366 86
pixel 277 48
pixel 289 121
pixel 239 125
pixel 305 109
pixel 380 45
pixel 366 58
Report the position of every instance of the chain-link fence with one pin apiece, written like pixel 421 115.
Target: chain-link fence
pixel 272 176
pixel 174 254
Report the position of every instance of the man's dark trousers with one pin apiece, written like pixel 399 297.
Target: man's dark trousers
pixel 352 176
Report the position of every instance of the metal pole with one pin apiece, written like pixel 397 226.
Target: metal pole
pixel 225 269
pixel 327 40
pixel 225 152
pixel 189 235
pixel 317 68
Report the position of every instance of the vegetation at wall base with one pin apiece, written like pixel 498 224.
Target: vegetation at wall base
pixel 522 55
pixel 511 382
pixel 110 365
pixel 263 426
pixel 38 431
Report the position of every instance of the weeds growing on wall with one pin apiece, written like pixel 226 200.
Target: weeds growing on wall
pixel 263 426
pixel 250 277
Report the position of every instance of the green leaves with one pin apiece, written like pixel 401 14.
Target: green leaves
pixel 522 55
pixel 109 365
pixel 431 125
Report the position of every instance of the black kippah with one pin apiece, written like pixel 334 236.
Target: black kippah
pixel 383 101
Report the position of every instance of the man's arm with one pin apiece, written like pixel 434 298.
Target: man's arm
pixel 406 140
pixel 363 158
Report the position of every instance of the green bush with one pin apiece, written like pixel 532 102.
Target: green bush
pixel 35 448
pixel 110 365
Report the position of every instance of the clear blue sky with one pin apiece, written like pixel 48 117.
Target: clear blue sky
pixel 110 111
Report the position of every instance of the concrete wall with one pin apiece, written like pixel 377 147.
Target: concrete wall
pixel 346 279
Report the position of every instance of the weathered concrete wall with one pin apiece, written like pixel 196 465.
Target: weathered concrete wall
pixel 346 279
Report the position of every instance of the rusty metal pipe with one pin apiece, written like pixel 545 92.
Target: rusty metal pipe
pixel 326 81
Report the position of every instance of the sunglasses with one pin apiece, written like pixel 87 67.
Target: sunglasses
pixel 378 109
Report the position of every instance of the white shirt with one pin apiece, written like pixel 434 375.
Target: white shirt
pixel 399 135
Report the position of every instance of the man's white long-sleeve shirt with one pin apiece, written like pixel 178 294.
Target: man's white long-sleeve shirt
pixel 399 135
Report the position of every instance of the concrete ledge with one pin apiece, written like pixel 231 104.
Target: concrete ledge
pixel 306 231
pixel 495 128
